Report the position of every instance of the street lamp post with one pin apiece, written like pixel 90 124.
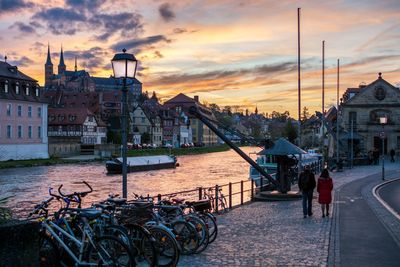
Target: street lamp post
pixel 383 121
pixel 124 66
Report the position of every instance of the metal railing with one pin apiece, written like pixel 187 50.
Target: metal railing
pixel 236 193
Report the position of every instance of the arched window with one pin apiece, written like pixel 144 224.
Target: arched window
pixel 6 86
pixel 17 88
pixel 27 89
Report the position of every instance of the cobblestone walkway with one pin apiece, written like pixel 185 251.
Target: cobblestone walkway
pixel 274 233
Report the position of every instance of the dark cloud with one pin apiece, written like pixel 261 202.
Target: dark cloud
pixel 179 30
pixel 22 27
pixel 166 12
pixel 37 47
pixel 264 70
pixel 103 37
pixel 129 24
pixel 60 21
pixel 88 59
pixel 13 5
pixel 86 15
pixel 21 61
pixel 85 4
pixel 138 44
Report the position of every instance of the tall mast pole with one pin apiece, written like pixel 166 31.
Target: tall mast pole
pixel 299 168
pixel 337 114
pixel 298 75
pixel 323 96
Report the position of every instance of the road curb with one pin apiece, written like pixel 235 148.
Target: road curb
pixel 377 196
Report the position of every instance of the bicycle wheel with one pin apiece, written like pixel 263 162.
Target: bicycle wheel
pixel 211 224
pixel 167 248
pixel 186 235
pixel 202 231
pixel 109 251
pixel 48 252
pixel 144 242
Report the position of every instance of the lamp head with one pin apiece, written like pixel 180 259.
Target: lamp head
pixel 124 65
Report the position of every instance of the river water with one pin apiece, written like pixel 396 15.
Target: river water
pixel 26 187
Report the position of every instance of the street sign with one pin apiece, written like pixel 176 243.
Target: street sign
pixel 382 134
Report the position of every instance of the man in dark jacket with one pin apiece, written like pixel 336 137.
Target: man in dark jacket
pixel 306 186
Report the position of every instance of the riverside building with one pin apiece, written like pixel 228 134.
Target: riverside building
pixel 23 116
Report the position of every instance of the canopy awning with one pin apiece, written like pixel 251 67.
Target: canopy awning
pixel 282 147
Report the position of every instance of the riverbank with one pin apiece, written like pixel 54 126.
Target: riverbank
pixel 131 153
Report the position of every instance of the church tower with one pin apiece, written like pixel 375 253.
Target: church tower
pixel 61 65
pixel 48 69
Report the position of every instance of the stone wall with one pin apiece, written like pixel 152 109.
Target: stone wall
pixel 23 151
pixel 64 149
pixel 19 244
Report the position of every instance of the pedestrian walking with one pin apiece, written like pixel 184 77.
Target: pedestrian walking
pixel 324 188
pixel 392 154
pixel 307 186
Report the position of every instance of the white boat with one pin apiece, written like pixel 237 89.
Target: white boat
pixel 144 163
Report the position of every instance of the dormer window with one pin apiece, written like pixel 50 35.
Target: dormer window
pixel 27 90
pixel 37 91
pixel 6 87
pixel 17 88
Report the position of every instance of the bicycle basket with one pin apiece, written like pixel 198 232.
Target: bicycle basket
pixel 201 205
pixel 139 214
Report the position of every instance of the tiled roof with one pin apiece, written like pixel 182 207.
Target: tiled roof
pixel 8 71
pixel 68 116
pixel 71 116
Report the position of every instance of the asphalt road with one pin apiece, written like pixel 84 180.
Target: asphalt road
pixel 364 240
pixel 390 193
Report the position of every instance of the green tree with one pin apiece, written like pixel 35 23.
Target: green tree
pixel 290 132
pixel 305 114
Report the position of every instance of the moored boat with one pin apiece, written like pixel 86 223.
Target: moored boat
pixel 144 163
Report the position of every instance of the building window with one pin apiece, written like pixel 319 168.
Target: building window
pixel 142 120
pixel 9 110
pixel 19 131
pixel 30 112
pixel 19 109
pixel 37 91
pixel 39 131
pixel 27 90
pixel 353 117
pixel 39 112
pixel 30 132
pixel 17 88
pixel 6 87
pixel 9 131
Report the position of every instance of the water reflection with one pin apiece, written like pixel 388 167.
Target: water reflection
pixel 28 186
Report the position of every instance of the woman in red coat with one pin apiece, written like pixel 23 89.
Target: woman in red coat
pixel 324 188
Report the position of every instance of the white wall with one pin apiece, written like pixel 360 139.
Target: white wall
pixel 23 151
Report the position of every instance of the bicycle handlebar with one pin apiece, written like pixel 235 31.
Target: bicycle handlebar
pixel 41 207
pixel 78 194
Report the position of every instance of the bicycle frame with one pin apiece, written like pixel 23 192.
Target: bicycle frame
pixel 86 232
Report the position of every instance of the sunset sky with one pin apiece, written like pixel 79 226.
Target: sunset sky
pixel 227 52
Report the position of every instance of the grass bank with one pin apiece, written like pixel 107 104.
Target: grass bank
pixel 177 151
pixel 131 153
pixel 33 162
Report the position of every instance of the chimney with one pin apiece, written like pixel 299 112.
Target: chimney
pixel 196 98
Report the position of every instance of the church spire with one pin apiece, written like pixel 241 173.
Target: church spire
pixel 61 65
pixel 76 65
pixel 62 58
pixel 48 61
